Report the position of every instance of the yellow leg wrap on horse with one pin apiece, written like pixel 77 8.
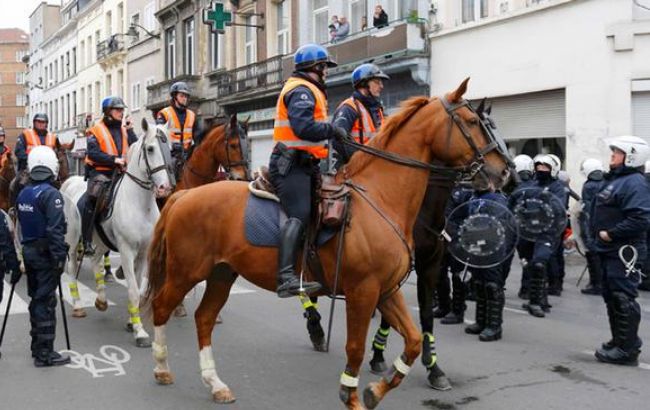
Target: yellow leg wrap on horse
pixel 74 290
pixel 107 261
pixel 99 279
pixel 306 302
pixel 134 311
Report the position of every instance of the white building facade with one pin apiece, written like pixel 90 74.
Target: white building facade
pixel 563 75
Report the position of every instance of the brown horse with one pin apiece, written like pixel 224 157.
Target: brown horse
pixel 7 174
pixel 209 243
pixel 62 156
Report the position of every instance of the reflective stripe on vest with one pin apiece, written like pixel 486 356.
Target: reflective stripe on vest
pixel 364 126
pixel 175 129
pixel 282 131
pixel 33 140
pixel 107 145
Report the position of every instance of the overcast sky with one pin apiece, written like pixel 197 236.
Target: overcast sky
pixel 17 14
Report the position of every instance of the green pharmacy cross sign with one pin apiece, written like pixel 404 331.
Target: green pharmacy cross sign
pixel 216 17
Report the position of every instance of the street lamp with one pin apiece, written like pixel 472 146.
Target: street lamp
pixel 133 32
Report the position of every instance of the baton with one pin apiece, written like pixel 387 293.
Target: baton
pixel 4 322
pixel 582 274
pixel 65 319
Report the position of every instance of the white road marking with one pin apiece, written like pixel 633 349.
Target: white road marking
pixel 18 305
pixel 520 311
pixel 86 294
pixel 644 366
pixel 111 361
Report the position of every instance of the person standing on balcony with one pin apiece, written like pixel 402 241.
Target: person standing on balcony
pixel 300 132
pixel 380 18
pixel 343 30
pixel 362 114
pixel 333 27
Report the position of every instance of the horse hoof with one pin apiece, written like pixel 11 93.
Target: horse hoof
pixel 101 305
pixel 378 367
pixel 370 399
pixel 164 378
pixel 437 379
pixel 143 342
pixel 180 311
pixel 129 327
pixel 78 313
pixel 223 396
pixel 218 320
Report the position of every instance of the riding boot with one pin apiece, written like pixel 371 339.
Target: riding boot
pixel 495 304
pixel 546 306
pixel 458 306
pixel 595 275
pixel 87 227
pixel 288 284
pixel 481 306
pixel 524 289
pixel 536 291
pixel 627 343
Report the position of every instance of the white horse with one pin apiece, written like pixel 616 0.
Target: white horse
pixel 130 226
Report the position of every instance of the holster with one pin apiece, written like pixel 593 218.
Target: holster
pixel 285 159
pixel 332 203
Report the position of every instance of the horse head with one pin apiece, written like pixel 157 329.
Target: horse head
pixel 154 158
pixel 231 149
pixel 62 157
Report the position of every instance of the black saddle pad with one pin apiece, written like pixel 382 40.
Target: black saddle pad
pixel 262 223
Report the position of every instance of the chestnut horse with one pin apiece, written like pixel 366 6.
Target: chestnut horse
pixel 7 174
pixel 388 186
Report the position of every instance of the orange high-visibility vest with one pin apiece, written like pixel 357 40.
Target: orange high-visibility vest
pixel 33 140
pixel 364 126
pixel 175 131
pixel 282 131
pixel 107 145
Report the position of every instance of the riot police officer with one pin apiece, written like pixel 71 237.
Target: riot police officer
pixel 593 170
pixel 620 220
pixel 525 168
pixel 300 132
pixel 645 283
pixel 108 143
pixel 42 222
pixel 362 114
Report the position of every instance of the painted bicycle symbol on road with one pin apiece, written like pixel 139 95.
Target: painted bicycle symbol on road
pixel 110 363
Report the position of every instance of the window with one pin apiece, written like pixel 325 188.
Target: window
pixel 82 97
pixel 74 106
pixel 97 99
pixel 356 13
pixel 216 47
pixel 74 60
pixel 20 122
pixel 467 10
pixel 55 117
pixel 67 64
pixel 62 62
pixel 109 24
pixel 89 48
pixel 82 52
pixel 20 54
pixel 46 78
pixel 89 102
pixel 283 28
pixel 250 36
pixel 170 58
pixel 472 10
pixel 20 78
pixel 149 18
pixel 56 71
pixel 150 81
pixel 20 100
pixel 109 85
pixel 135 96
pixel 321 21
pixel 120 18
pixel 484 8
pixel 120 83
pixel 189 46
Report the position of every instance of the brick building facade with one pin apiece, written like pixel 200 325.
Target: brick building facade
pixel 14 45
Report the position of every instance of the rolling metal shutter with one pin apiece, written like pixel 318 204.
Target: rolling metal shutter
pixel 641 114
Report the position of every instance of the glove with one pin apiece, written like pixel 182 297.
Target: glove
pixel 15 275
pixel 340 134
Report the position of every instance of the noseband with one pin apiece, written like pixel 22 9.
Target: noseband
pixel 148 184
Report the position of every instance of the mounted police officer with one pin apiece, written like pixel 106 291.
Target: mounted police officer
pixel 362 114
pixel 43 226
pixel 31 137
pixel 183 126
pixel 300 133
pixel 107 146
pixel 546 188
pixel 620 219
pixel 593 170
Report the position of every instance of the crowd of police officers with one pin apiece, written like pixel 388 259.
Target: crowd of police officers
pixel 614 223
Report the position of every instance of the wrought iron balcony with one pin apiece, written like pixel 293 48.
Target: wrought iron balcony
pixel 258 77
pixel 109 47
pixel 158 93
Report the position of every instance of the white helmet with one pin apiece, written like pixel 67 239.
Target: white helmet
pixel 647 167
pixel 636 149
pixel 524 163
pixel 548 160
pixel 590 165
pixel 42 163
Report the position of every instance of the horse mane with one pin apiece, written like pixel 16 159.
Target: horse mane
pixel 393 124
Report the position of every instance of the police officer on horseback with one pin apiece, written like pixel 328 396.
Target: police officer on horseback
pixel 107 146
pixel 300 132
pixel 362 114
pixel 43 227
pixel 183 127
pixel 620 218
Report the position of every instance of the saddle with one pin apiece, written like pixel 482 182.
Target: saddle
pixel 103 208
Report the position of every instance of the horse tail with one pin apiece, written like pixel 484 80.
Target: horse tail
pixel 157 255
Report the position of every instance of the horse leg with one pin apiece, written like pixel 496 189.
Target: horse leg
pixel 359 307
pixel 378 363
pixel 77 310
pixel 316 333
pixel 216 294
pixel 101 302
pixel 396 312
pixel 436 377
pixel 128 264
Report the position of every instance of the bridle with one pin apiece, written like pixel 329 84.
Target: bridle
pixel 148 184
pixel 459 173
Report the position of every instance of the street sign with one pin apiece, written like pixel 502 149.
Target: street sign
pixel 216 17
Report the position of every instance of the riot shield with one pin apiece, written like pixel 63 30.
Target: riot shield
pixel 540 215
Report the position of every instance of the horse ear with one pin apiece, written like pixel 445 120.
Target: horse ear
pixel 481 106
pixel 145 125
pixel 233 121
pixel 488 110
pixel 456 95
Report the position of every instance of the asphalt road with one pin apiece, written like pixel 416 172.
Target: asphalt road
pixel 263 353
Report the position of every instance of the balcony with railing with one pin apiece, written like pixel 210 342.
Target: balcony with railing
pixel 258 78
pixel 111 48
pixel 158 93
